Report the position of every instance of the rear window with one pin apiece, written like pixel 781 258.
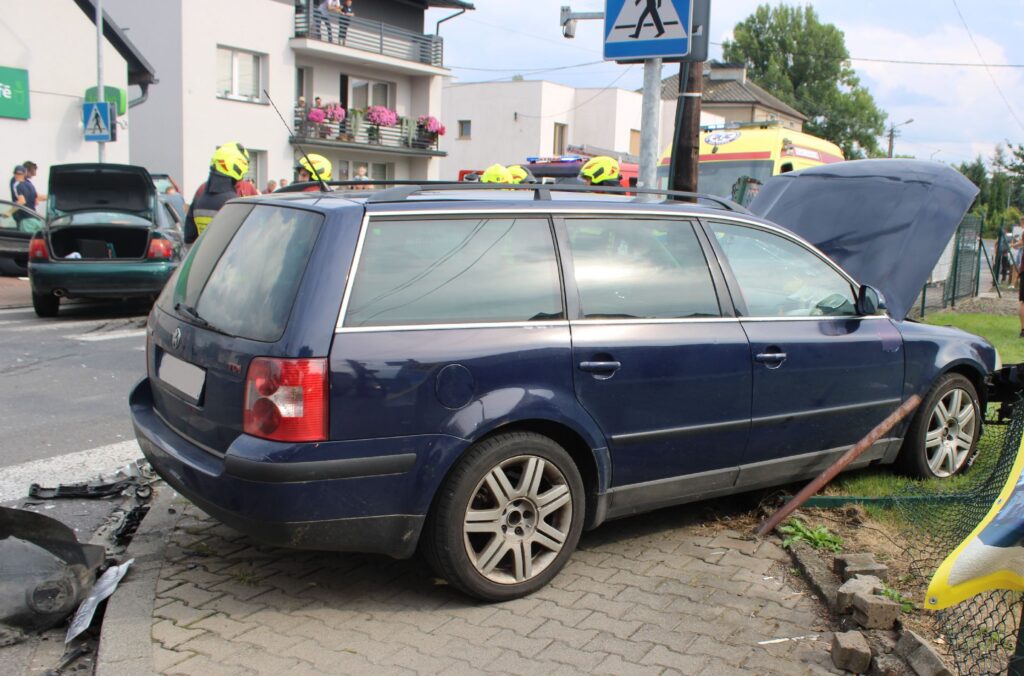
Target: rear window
pixel 456 271
pixel 242 275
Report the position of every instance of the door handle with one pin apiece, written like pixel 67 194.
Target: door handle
pixel 772 360
pixel 606 367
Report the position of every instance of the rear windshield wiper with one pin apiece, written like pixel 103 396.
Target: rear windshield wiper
pixel 191 313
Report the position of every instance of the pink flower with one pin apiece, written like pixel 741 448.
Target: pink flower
pixel 336 112
pixel 431 124
pixel 381 116
pixel 317 115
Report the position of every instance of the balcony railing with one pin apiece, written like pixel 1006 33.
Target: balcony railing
pixel 369 36
pixel 407 135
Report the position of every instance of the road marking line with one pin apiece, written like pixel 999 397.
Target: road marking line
pixel 68 468
pixel 108 335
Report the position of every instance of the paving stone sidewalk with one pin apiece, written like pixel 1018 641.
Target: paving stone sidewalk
pixel 654 594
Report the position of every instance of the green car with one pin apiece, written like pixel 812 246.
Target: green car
pixel 108 235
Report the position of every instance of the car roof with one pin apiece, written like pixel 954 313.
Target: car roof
pixel 491 200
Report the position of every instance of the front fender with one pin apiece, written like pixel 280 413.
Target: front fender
pixel 934 350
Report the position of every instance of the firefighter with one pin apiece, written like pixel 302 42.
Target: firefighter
pixel 496 173
pixel 230 162
pixel 601 171
pixel 521 174
pixel 313 167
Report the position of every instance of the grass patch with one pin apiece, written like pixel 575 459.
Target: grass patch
pixel 795 530
pixel 1002 331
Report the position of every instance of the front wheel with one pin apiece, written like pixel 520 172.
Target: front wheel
pixel 45 305
pixel 943 436
pixel 508 518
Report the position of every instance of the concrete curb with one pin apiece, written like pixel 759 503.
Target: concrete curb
pixel 126 643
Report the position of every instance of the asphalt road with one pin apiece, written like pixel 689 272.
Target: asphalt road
pixel 65 381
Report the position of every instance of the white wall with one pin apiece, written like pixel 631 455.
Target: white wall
pixel 56 43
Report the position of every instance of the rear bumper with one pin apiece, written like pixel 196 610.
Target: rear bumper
pixel 89 279
pixel 362 503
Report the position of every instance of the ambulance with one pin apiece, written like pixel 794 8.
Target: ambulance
pixel 737 159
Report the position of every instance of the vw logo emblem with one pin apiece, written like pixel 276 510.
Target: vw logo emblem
pixel 176 339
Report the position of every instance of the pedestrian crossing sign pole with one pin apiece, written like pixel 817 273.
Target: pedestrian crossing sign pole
pixel 635 30
pixel 97 121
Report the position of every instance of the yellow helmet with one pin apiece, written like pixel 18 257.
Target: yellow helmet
pixel 317 166
pixel 600 169
pixel 231 159
pixel 521 174
pixel 496 174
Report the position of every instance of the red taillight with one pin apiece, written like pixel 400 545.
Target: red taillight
pixel 160 248
pixel 37 249
pixel 286 399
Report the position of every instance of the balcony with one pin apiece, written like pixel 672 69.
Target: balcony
pixel 374 37
pixel 357 134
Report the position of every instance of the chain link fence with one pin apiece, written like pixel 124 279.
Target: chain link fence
pixel 980 633
pixel 958 270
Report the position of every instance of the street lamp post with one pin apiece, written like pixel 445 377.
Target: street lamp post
pixel 892 133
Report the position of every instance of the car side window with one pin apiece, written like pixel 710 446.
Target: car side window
pixel 640 268
pixel 780 278
pixel 448 271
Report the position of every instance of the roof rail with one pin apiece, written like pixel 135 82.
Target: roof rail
pixel 401 190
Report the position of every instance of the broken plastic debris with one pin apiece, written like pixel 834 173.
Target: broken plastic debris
pixel 104 587
pixel 809 637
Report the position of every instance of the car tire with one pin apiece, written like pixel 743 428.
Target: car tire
pixel 943 436
pixel 45 305
pixel 507 518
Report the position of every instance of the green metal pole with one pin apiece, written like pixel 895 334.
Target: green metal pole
pixel 956 267
pixel 924 296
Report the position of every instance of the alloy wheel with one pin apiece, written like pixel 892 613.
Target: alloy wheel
pixel 518 519
pixel 950 434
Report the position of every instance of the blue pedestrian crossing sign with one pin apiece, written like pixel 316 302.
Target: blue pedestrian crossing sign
pixel 647 29
pixel 96 118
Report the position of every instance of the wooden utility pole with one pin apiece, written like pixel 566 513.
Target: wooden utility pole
pixel 686 144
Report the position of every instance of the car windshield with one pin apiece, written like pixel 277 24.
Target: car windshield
pixel 101 218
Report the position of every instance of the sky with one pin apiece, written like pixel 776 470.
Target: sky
pixel 958 111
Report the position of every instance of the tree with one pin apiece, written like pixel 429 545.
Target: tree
pixel 1013 165
pixel 804 62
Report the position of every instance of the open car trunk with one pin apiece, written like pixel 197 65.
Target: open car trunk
pixel 97 242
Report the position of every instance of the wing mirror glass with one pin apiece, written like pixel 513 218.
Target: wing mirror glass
pixel 869 301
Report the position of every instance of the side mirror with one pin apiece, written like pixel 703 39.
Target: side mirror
pixel 868 301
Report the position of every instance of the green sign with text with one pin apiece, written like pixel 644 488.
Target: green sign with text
pixel 14 93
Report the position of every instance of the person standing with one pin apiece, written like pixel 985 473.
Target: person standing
pixel 230 162
pixel 282 183
pixel 20 193
pixel 270 187
pixel 28 189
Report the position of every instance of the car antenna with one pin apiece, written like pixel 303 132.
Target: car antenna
pixel 316 174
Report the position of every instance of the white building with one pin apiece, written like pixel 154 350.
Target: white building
pixel 218 58
pixel 47 61
pixel 506 122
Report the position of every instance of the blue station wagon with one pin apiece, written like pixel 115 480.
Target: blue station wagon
pixel 484 373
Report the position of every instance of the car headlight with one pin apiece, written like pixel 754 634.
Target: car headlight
pixel 999 361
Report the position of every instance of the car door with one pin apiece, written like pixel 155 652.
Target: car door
pixel 17 225
pixel 658 364
pixel 822 375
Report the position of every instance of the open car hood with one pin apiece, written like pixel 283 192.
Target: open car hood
pixel 886 222
pixel 94 186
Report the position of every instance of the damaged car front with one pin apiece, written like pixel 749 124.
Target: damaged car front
pixel 887 222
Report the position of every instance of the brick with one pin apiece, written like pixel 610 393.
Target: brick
pixel 874 612
pixel 527 646
pixel 556 631
pixel 850 652
pixel 614 664
pixel 511 663
pixel 584 660
pixel 164 659
pixel 413 659
pixel 508 620
pixel 191 595
pixel 262 662
pixel 744 546
pixel 619 627
pixel 688 664
pixel 770 550
pixel 650 599
pixel 269 639
pixel 920 655
pixel 865 584
pixel 170 635
pixel 848 565
pixel 607 590
pixel 713 647
pixel 330 661
pixel 180 614
pixel 631 650
pixel 472 633
pixel 610 608
pixel 201 665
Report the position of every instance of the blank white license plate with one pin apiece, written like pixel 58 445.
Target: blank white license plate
pixel 182 376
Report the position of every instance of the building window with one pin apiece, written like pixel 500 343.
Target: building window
pixel 239 74
pixel 561 134
pixel 465 128
pixel 634 141
pixel 257 168
pixel 366 93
